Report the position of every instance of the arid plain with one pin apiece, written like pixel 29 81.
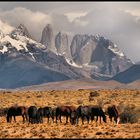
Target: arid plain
pixel 120 97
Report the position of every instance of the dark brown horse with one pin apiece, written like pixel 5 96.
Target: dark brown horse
pixel 16 111
pixel 64 111
pixel 98 112
pixel 83 112
pixel 113 112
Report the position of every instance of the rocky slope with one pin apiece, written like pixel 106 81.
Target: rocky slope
pixel 99 52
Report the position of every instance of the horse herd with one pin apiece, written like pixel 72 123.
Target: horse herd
pixel 34 115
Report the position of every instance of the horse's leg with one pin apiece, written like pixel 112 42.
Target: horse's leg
pixel 67 119
pixel 92 118
pixel 26 117
pixel 60 119
pixel 114 120
pixel 52 118
pixel 41 119
pixel 100 119
pixel 15 118
pixel 96 120
pixel 77 118
pixel 118 120
pixel 29 119
pixel 56 118
pixel 10 119
pixel 110 119
pixel 82 119
pixel 48 118
pixel 23 118
pixel 87 118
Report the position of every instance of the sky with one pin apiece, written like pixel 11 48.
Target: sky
pixel 117 21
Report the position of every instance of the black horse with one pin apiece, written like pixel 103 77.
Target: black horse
pixel 40 115
pixel 16 111
pixel 33 114
pixel 98 112
pixel 49 112
pixel 113 112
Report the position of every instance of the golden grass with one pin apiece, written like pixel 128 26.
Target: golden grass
pixel 69 97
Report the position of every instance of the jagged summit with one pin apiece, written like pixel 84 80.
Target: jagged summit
pixel 47 37
pixel 22 31
pixel 62 44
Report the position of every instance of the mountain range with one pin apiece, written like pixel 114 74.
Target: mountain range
pixel 26 62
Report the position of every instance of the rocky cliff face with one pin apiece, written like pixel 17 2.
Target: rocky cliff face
pixel 62 45
pixel 98 52
pixel 47 38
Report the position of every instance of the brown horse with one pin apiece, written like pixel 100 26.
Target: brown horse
pixel 64 111
pixel 16 111
pixel 113 112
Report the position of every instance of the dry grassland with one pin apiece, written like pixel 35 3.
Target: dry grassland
pixel 54 98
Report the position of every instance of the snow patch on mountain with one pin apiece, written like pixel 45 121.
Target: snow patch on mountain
pixel 115 50
pixel 15 43
pixel 30 41
pixel 4 49
pixel 72 63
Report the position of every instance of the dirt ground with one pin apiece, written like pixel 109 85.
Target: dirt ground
pixel 54 98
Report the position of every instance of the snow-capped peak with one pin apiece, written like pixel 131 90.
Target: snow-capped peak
pixel 20 30
pixel 18 41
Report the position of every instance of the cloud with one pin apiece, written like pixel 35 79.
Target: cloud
pixel 78 22
pixel 119 22
pixel 121 27
pixel 73 15
pixel 34 21
pixel 135 12
pixel 5 28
